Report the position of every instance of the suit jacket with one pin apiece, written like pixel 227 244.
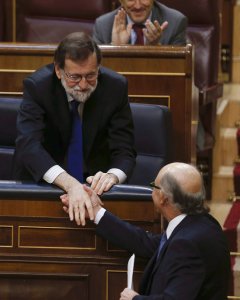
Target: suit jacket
pixel 44 126
pixel 194 262
pixel 174 34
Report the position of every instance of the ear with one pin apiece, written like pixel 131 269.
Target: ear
pixel 163 198
pixel 57 71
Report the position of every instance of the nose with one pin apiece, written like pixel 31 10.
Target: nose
pixel 83 83
pixel 137 4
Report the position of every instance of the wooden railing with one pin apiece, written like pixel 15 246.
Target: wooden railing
pixel 43 255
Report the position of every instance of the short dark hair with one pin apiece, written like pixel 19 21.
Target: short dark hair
pixel 77 46
pixel 187 203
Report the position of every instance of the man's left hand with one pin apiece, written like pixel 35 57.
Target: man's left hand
pixel 153 32
pixel 102 182
pixel 127 294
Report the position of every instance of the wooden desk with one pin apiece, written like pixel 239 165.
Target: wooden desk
pixel 45 256
pixel 161 75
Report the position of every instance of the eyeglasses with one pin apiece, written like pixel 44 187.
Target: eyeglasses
pixel 152 184
pixel 76 78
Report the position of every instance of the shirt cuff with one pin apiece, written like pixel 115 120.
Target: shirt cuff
pixel 99 215
pixel 119 173
pixel 53 173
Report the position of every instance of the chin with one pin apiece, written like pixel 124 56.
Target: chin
pixel 138 19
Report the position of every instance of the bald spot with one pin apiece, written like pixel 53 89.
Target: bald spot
pixel 187 176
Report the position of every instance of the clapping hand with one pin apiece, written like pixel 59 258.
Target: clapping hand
pixel 153 32
pixel 121 32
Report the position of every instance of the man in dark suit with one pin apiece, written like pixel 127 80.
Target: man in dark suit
pixel 194 261
pixel 44 123
pixel 161 24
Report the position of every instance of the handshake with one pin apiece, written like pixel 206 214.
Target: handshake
pixel 95 202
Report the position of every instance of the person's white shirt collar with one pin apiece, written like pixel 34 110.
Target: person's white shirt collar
pixel 133 33
pixel 173 224
pixel 130 21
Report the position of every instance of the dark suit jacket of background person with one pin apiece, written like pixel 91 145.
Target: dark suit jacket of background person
pixel 174 34
pixel 44 126
pixel 193 264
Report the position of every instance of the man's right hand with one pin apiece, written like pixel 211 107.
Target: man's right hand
pixel 121 32
pixel 79 203
pixel 95 201
pixel 78 199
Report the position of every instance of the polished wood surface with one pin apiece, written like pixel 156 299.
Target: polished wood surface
pixel 159 75
pixel 43 255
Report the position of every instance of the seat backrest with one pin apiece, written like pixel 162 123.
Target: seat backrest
pixel 8 114
pixel 204 27
pixel 152 138
pixel 51 21
pixel 2 23
pixel 153 141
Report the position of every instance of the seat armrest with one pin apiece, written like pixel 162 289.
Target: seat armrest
pixel 29 190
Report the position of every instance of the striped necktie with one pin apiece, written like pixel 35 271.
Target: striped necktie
pixel 75 148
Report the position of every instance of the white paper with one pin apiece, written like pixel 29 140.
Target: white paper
pixel 130 268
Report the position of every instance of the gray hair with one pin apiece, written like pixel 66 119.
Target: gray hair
pixel 76 46
pixel 188 203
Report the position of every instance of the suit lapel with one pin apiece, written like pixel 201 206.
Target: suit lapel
pixel 164 249
pixel 156 14
pixel 62 114
pixel 155 262
pixel 147 276
pixel 92 114
pixel 158 260
pixel 161 255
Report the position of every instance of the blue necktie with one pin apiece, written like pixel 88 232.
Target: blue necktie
pixel 75 149
pixel 162 243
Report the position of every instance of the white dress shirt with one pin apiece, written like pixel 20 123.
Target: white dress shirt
pixel 173 224
pixel 133 33
pixel 56 170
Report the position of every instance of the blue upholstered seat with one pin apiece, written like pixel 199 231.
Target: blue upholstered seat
pixel 152 138
pixel 153 131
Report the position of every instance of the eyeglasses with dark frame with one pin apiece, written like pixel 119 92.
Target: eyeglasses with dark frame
pixel 153 185
pixel 76 78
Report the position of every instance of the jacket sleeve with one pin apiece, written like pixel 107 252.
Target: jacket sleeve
pixel 127 236
pixel 30 129
pixel 179 36
pixel 179 274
